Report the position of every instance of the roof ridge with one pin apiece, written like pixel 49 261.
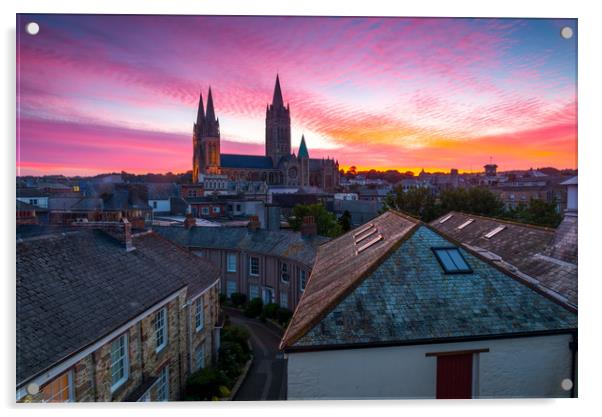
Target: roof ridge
pixel 510 222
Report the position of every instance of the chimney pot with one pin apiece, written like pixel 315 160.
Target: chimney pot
pixel 253 223
pixel 309 227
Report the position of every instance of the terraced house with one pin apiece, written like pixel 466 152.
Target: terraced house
pixel 107 315
pixel 399 309
pixel 273 265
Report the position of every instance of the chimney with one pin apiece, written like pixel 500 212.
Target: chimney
pixel 253 223
pixel 190 221
pixel 309 227
pixel 273 217
pixel 121 231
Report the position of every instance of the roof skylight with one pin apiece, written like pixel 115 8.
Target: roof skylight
pixel 494 232
pixel 363 229
pixel 466 223
pixel 446 218
pixel 452 261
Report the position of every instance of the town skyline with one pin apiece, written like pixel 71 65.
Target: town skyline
pixel 495 88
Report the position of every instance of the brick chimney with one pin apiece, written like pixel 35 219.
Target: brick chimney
pixel 309 227
pixel 121 230
pixel 190 221
pixel 253 223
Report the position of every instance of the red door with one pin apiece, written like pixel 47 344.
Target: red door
pixel 454 376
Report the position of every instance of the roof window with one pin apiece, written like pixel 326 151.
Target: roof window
pixel 446 218
pixel 494 232
pixel 452 261
pixel 466 223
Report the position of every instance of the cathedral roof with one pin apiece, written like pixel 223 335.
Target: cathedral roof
pixel 245 161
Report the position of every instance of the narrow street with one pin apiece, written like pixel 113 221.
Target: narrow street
pixel 266 379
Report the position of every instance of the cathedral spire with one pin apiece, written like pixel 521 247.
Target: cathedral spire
pixel 210 116
pixel 277 101
pixel 200 116
pixel 303 148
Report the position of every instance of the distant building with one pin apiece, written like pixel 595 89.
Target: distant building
pixel 273 265
pixel 160 196
pixel 107 315
pixel 279 165
pixel 396 309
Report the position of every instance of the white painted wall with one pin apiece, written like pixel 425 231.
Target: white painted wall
pixel 163 206
pixel 572 198
pixel 520 367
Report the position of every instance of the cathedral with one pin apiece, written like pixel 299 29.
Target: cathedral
pixel 279 166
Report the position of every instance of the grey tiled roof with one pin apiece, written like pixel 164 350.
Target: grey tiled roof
pixel 282 243
pixel 546 255
pixel 409 298
pixel 74 288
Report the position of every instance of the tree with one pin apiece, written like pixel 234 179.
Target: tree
pixel 345 221
pixel 476 200
pixel 326 221
pixel 418 202
pixel 538 212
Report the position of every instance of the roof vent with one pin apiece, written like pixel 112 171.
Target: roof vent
pixel 369 243
pixel 363 229
pixel 446 218
pixel 466 223
pixel 494 232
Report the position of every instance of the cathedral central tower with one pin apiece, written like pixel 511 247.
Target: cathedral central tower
pixel 277 127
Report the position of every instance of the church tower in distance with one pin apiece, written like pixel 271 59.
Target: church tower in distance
pixel 205 141
pixel 277 127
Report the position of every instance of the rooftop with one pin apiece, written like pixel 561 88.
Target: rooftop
pixel 547 255
pixel 73 288
pixel 245 161
pixel 382 284
pixel 281 243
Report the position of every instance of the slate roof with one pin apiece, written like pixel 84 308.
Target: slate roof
pixel 246 161
pixel 161 190
pixel 546 255
pixel 74 288
pixel 281 243
pixel 31 192
pixel 338 268
pixel 21 206
pixel 398 293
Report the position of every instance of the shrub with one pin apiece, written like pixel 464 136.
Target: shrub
pixel 283 316
pixel 231 358
pixel 270 310
pixel 254 308
pixel 238 299
pixel 222 299
pixel 236 334
pixel 205 384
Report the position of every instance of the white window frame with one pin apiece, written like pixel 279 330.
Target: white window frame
pixel 268 290
pixel 216 209
pixel 163 329
pixel 231 266
pixel 199 353
pixel 163 384
pixel 257 295
pixel 205 210
pixel 251 266
pixel 228 284
pixel 302 280
pixel 199 314
pixel 125 364
pixel 284 272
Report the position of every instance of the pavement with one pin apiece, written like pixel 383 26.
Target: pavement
pixel 266 379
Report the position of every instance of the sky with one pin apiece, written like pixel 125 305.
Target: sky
pixel 102 93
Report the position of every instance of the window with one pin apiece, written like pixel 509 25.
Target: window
pixel 254 266
pixel 216 209
pixel 199 356
pixel 231 262
pixel 154 204
pixel 466 223
pixel 302 280
pixel 119 362
pixel 494 232
pixel 205 210
pixel 253 292
pixel 284 273
pixel 58 390
pixel 163 387
pixel 451 260
pixel 160 325
pixel 33 201
pixel 230 288
pixel 268 295
pixel 284 299
pixel 199 314
pixel 191 193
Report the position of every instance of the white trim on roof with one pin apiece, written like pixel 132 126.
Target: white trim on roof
pixel 446 218
pixel 494 232
pixel 466 223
